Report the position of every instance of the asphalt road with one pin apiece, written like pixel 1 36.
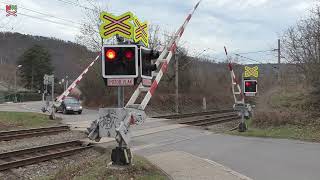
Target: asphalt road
pixel 258 158
pixel 87 114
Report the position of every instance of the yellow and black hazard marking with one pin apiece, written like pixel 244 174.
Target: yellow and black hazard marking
pixel 141 31
pixel 116 25
pixel 251 71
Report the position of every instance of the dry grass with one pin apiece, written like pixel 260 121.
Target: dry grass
pixel 97 169
pixel 18 120
pixel 275 118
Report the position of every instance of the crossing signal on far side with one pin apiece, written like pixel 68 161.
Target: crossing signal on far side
pixel 146 64
pixel 250 86
pixel 120 61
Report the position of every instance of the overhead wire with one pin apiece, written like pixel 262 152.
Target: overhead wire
pixel 192 60
pixel 254 52
pixel 248 58
pixel 44 19
pixel 77 4
pixel 46 14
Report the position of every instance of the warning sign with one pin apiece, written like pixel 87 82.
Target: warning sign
pixel 251 72
pixel 141 32
pixel 116 25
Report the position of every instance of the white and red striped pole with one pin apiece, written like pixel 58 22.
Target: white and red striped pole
pixel 76 82
pixel 234 82
pixel 170 49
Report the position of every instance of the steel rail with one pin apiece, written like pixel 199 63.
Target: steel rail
pixel 197 119
pixel 213 121
pixel 26 133
pixel 177 116
pixel 19 158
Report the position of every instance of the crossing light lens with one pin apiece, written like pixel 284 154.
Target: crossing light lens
pixel 248 84
pixel 111 54
pixel 129 54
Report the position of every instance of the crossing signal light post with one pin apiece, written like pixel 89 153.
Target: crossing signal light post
pixel 250 86
pixel 146 65
pixel 119 61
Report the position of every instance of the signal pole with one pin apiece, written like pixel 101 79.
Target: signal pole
pixel 177 84
pixel 120 97
pixel 279 60
pixel 121 88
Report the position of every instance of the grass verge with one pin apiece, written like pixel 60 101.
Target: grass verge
pixel 16 120
pixel 97 169
pixel 307 132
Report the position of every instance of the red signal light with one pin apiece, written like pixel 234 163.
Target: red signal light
pixel 111 54
pixel 248 84
pixel 129 54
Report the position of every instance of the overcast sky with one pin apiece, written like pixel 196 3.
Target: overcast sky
pixel 241 25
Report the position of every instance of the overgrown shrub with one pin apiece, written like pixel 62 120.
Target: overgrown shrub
pixel 22 96
pixel 277 118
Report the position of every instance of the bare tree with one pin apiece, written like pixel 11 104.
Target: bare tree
pixel 89 33
pixel 154 36
pixel 301 44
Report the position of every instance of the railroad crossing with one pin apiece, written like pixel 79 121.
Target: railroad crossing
pixel 161 141
pixel 180 144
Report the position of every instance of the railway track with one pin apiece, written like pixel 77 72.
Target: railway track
pixel 207 118
pixel 19 158
pixel 211 120
pixel 27 133
pixel 177 116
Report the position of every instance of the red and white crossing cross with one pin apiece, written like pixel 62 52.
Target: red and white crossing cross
pixel 116 25
pixel 141 32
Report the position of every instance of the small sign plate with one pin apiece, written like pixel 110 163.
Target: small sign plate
pixel 250 94
pixel 146 82
pixel 121 82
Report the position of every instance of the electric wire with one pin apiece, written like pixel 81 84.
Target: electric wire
pixel 254 52
pixel 46 14
pixel 48 20
pixel 77 4
pixel 250 59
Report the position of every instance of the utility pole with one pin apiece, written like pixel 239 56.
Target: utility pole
pixel 52 114
pixel 32 77
pixel 66 82
pixel 15 86
pixel 52 89
pixel 204 104
pixel 15 83
pixel 279 60
pixel 177 83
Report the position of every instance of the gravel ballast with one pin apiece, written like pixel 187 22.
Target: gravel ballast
pixel 6 146
pixel 46 168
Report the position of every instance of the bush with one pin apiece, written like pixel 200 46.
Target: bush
pixel 276 118
pixel 29 97
pixel 22 96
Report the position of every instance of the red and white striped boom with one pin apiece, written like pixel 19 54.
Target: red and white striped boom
pixel 164 58
pixel 76 82
pixel 235 84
